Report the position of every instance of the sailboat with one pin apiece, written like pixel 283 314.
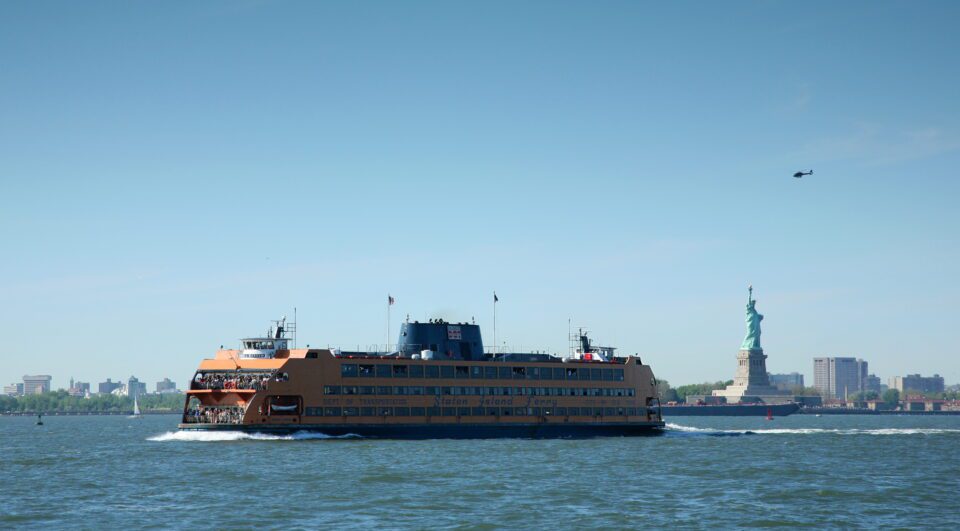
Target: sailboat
pixel 136 409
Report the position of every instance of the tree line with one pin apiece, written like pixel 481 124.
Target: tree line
pixel 62 402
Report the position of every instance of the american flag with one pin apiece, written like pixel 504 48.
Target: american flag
pixel 390 300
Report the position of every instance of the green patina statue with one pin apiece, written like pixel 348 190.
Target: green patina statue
pixel 752 341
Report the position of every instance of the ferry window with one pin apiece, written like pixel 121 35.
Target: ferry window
pixel 489 372
pixel 476 372
pixel 416 371
pixel 383 371
pixel 597 411
pixel 620 392
pixel 399 390
pixel 463 411
pixel 399 371
pixel 541 391
pixel 631 392
pixel 477 412
pixel 415 390
pixel 558 373
pixel 523 391
pixel 433 412
pixel 620 411
pixel 533 373
pixel 331 389
pixel 368 390
pixel 493 391
pixel 596 375
pixel 631 411
pixel 607 375
pixel 547 412
pixel 609 411
pixel 366 370
pixel 331 412
pixel 446 371
pixel 546 373
pixel 507 391
pixel 385 411
pixel 367 411
pixel 584 374
pixel 417 412
pixel 463 371
pixel 351 411
pixel 572 374
pixel 433 371
pixel 432 391
pixel 506 412
pixel 402 411
pixel 384 390
pixel 554 391
pixel 519 372
pixel 312 411
pixel 618 375
pixel 449 412
pixel 573 411
pixel 446 390
pixel 537 412
pixel 520 411
pixel 505 373
pixel 351 390
pixel 348 369
pixel 493 411
pixel 561 412
pixel 606 392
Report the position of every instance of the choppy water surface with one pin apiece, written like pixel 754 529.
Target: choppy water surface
pixel 845 471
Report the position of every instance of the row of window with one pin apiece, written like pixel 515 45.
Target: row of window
pixel 384 370
pixel 471 411
pixel 416 390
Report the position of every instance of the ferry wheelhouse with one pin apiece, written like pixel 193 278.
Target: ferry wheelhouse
pixel 437 383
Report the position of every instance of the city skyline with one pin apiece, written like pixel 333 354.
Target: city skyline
pixel 173 184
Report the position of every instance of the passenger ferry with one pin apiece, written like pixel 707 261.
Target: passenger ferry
pixel 437 383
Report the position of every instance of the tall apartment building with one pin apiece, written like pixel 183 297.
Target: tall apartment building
pixel 917 383
pixel 787 382
pixel 872 383
pixel 166 386
pixel 36 384
pixel 839 377
pixel 107 387
pixel 135 387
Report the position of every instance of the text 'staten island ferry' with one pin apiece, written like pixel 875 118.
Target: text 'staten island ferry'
pixel 437 383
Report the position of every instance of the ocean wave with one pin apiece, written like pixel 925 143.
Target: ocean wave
pixel 220 436
pixel 811 431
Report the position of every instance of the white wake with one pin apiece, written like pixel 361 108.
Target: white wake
pixel 218 436
pixel 813 431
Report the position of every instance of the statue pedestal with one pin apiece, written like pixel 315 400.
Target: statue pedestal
pixel 751 383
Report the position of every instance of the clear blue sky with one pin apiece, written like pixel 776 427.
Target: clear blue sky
pixel 175 175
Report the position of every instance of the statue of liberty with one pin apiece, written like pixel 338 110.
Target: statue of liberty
pixel 752 341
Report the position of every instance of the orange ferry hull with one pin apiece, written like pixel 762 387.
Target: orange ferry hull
pixel 453 430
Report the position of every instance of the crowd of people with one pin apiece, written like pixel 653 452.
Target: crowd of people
pixel 237 380
pixel 214 415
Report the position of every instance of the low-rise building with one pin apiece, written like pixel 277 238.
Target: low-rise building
pixel 917 383
pixel 787 382
pixel 14 389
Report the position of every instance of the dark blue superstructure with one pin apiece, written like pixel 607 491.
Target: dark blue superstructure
pixel 455 341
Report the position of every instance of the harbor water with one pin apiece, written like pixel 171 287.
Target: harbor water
pixel 719 472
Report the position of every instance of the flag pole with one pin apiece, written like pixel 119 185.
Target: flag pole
pixel 389 303
pixel 494 325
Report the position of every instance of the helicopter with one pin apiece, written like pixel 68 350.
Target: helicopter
pixel 800 174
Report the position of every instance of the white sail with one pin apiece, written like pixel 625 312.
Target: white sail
pixel 136 407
